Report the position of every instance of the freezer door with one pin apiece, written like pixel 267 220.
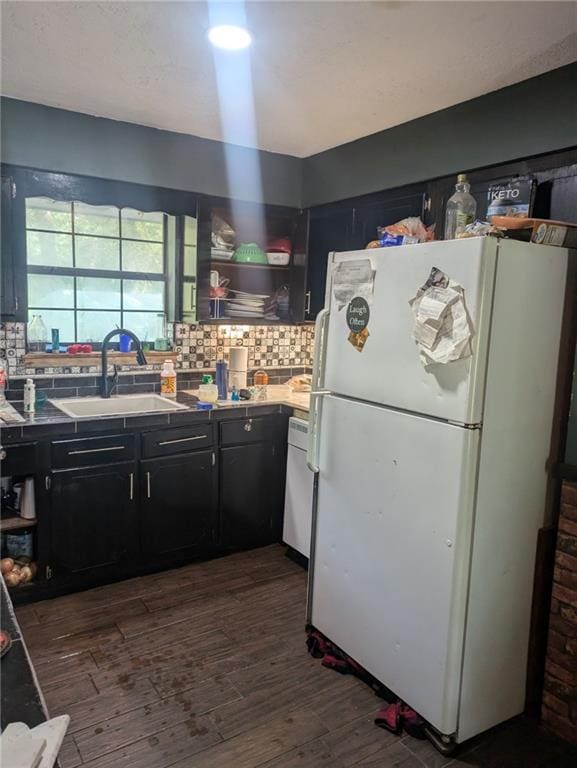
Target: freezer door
pixel 388 369
pixel 392 548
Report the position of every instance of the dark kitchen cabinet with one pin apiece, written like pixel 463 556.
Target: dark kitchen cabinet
pixel 329 230
pixel 12 282
pixel 251 481
pixel 93 520
pixel 178 508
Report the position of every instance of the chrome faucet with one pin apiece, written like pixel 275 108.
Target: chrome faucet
pixel 109 382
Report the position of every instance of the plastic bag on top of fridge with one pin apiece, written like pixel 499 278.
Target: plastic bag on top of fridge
pixel 442 328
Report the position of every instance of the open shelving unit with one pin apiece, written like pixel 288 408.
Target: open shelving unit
pixel 260 224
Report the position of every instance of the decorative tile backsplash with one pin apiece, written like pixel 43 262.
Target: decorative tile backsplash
pixel 198 347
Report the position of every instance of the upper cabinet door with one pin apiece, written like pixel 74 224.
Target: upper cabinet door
pixel 328 231
pixel 12 278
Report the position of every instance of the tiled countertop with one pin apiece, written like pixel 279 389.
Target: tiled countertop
pixel 49 420
pixel 276 394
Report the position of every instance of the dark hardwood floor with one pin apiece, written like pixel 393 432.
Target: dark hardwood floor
pixel 206 666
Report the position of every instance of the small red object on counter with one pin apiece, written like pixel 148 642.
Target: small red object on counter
pixel 77 349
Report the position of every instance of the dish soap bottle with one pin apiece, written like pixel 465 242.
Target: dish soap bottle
pixel 461 208
pixel 168 379
pixel 29 396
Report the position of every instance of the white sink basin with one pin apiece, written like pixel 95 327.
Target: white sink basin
pixel 119 405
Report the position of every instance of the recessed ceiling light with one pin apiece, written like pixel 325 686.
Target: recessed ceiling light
pixel 229 37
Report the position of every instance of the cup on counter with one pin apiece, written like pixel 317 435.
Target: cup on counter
pixel 124 342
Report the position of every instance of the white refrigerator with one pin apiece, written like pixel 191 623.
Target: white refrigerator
pixel 431 478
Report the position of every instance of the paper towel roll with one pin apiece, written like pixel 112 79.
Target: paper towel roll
pixel 238 358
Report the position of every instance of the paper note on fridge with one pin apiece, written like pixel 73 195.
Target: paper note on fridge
pixel 442 328
pixel 353 278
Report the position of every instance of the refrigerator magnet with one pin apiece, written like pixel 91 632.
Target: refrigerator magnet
pixel 358 314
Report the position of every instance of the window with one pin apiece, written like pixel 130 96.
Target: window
pixel 91 268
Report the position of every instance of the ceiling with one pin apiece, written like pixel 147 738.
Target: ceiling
pixel 318 74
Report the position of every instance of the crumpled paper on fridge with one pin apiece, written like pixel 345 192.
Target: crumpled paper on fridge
pixel 443 329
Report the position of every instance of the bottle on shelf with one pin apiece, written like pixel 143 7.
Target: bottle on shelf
pixel 461 208
pixel 168 379
pixel 37 334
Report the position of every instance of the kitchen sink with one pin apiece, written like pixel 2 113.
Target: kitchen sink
pixel 119 405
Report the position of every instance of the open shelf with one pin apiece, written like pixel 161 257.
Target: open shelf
pixel 248 265
pixel 15 524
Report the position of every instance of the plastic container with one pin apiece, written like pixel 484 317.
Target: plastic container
pixel 168 379
pixel 260 377
pixel 124 342
pixel 249 253
pixel 20 544
pixel 29 396
pixel 208 391
pixel 278 258
pixel 461 209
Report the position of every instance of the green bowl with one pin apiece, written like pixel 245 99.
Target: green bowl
pixel 249 253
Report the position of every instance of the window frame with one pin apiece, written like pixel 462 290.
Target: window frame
pixel 98 192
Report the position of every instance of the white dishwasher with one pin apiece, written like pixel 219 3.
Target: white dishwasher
pixel 299 489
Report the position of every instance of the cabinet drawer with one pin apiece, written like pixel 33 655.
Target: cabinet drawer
pixel 245 431
pixel 89 451
pixel 19 460
pixel 177 440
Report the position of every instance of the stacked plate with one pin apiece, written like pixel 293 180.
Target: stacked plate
pixel 247 305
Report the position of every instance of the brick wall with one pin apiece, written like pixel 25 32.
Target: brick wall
pixel 559 711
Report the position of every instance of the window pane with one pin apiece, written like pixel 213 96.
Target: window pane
pixel 49 250
pixel 97 293
pixel 143 324
pixel 96 220
pixel 142 226
pixel 143 294
pixel 93 326
pixel 43 213
pixel 61 319
pixel 189 265
pixel 189 230
pixel 97 253
pixel 50 291
pixel 142 257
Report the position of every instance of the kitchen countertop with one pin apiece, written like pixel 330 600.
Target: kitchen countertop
pixel 51 421
pixel 276 393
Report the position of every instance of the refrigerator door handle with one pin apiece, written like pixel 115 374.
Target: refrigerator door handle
pixel 318 377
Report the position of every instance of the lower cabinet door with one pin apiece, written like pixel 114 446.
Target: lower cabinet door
pixel 94 519
pixel 250 495
pixel 178 504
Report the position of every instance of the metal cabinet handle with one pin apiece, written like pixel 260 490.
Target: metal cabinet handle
pixel 248 427
pixel 183 440
pixel 148 484
pixel 97 450
pixel 131 486
pixel 308 304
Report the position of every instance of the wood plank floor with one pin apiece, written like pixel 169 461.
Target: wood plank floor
pixel 206 666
